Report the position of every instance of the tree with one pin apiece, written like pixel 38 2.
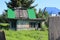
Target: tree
pixel 20 3
pixel 40 15
pixel 3 17
pixel 45 14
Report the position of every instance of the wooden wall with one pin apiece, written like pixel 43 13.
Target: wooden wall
pixel 54 28
pixel 21 13
pixel 21 24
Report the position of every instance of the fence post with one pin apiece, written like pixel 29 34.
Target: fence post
pixel 2 35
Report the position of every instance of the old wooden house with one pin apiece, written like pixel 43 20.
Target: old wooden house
pixel 22 18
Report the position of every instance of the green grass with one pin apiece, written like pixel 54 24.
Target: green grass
pixel 26 35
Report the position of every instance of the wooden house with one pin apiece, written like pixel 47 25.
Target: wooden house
pixel 22 18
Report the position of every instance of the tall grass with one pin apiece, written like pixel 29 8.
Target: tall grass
pixel 26 35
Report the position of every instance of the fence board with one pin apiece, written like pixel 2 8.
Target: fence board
pixel 54 28
pixel 2 35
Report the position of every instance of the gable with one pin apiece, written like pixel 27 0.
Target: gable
pixel 21 13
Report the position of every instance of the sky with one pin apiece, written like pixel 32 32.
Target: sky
pixel 41 4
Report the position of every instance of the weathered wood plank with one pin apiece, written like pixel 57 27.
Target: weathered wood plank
pixel 54 28
pixel 2 35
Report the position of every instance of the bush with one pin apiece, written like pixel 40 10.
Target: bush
pixel 47 24
pixel 43 26
pixel 4 26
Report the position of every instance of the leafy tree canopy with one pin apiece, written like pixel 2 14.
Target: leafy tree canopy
pixel 20 3
pixel 40 15
pixel 43 14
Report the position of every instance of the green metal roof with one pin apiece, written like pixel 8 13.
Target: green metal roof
pixel 31 14
pixel 11 13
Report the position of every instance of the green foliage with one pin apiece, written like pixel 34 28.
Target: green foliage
pixel 40 14
pixel 43 14
pixel 26 35
pixel 20 3
pixel 43 27
pixel 4 26
pixel 3 18
pixel 46 15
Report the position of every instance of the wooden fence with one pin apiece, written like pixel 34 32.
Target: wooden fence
pixel 54 28
pixel 2 35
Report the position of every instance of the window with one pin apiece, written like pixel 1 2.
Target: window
pixel 32 24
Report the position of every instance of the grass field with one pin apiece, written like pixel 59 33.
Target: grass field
pixel 26 35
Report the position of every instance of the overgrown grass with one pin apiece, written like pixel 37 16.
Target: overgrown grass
pixel 26 35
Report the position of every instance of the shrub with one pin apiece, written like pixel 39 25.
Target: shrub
pixel 4 26
pixel 43 26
